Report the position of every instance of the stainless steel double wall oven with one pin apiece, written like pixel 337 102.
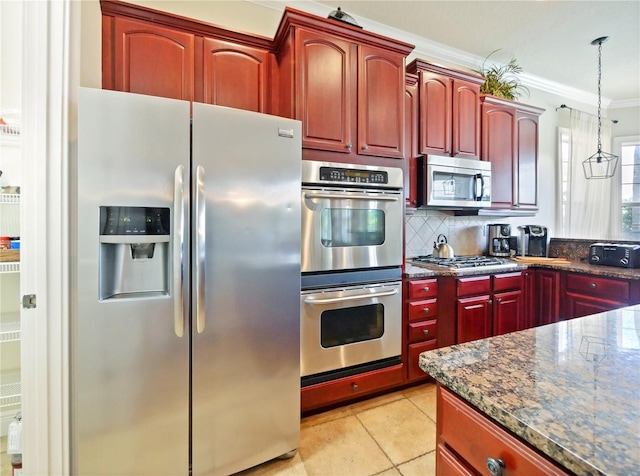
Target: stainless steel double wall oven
pixel 351 300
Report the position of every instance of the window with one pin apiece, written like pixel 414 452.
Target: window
pixel 564 153
pixel 629 153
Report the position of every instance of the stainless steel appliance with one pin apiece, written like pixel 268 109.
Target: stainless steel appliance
pixel 185 287
pixel 348 327
pixel 453 182
pixel 351 300
pixel 533 240
pixel 622 255
pixel 499 243
pixel 461 263
pixel 352 216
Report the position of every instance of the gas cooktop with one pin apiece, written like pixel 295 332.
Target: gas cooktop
pixel 463 262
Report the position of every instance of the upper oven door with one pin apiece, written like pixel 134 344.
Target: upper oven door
pixel 346 229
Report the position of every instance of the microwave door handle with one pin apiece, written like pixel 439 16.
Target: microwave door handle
pixel 359 196
pixel 351 298
pixel 178 251
pixel 479 197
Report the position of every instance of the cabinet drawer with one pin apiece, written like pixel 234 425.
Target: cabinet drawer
pixel 421 310
pixel 348 388
pixel 473 285
pixel 457 420
pixel 598 287
pixel 507 281
pixel 414 370
pixel 423 330
pixel 448 465
pixel 423 288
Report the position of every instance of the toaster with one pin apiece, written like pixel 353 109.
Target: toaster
pixel 614 254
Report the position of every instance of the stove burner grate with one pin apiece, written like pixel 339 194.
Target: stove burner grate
pixel 459 262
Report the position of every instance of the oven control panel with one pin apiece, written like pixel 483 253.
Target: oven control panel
pixel 337 174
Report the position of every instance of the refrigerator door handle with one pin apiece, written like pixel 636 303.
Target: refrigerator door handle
pixel 178 251
pixel 200 228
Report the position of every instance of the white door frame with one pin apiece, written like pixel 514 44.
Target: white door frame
pixel 50 78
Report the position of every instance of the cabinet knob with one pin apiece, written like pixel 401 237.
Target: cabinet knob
pixel 425 289
pixel 349 145
pixel 495 466
pixel 593 285
pixel 365 146
pixel 426 310
pixel 499 299
pixel 355 387
pixel 425 332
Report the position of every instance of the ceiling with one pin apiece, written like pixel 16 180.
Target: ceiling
pixel 550 39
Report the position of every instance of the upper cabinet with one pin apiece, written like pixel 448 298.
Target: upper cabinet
pixel 146 51
pixel 510 143
pixel 346 85
pixel 449 110
pixel 411 120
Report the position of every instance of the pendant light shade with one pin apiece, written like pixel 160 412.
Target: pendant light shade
pixel 601 164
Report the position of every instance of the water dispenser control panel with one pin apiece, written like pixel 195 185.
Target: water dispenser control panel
pixel 134 221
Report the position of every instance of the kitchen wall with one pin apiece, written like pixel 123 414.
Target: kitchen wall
pixel 466 234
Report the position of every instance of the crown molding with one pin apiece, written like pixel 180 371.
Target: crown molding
pixel 452 57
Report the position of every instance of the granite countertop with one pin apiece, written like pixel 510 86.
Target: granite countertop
pixel 570 389
pixel 578 266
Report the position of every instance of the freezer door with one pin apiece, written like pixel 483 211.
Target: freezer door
pixel 130 347
pixel 246 274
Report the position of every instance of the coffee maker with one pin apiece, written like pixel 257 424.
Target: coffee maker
pixel 533 240
pixel 499 240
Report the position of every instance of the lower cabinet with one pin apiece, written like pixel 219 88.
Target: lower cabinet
pixel 420 322
pixel 344 389
pixel 458 454
pixel 586 294
pixel 489 305
pixel 548 293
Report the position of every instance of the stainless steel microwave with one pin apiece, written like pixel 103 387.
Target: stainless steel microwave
pixel 453 182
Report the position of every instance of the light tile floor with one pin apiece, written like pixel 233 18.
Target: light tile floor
pixel 391 435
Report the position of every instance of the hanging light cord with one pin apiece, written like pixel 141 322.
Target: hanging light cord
pixel 599 98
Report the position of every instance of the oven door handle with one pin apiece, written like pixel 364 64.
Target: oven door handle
pixel 351 298
pixel 353 196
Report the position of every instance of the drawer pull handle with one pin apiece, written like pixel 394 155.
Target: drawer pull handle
pixel 354 386
pixel 495 466
pixel 425 332
pixel 426 310
pixel 593 285
pixel 426 289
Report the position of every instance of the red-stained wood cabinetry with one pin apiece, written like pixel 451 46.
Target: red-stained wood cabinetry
pixel 420 323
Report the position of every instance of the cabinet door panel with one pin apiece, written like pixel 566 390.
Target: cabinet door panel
pixel 527 157
pixel 466 120
pixel 325 93
pixel 153 60
pixel 548 290
pixel 413 368
pixel 579 305
pixel 498 147
pixel 474 318
pixel 380 102
pixel 411 124
pixel 234 75
pixel 435 114
pixel 507 312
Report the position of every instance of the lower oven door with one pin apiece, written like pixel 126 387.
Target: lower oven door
pixel 350 326
pixel 351 229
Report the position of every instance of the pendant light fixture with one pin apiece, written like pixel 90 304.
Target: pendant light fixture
pixel 601 164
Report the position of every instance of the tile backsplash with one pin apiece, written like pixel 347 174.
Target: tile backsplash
pixel 467 235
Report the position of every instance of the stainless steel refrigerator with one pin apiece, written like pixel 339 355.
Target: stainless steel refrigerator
pixel 185 331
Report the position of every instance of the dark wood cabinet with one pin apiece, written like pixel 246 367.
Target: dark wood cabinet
pixel 586 294
pixel 151 52
pixel 489 305
pixel 148 59
pixel 411 122
pixel 458 454
pixel 420 322
pixel 449 110
pixel 346 85
pixel 529 298
pixel 235 75
pixel 548 292
pixel 510 143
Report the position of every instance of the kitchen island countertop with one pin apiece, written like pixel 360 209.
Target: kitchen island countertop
pixel 570 389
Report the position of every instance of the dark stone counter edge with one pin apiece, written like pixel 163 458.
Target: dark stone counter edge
pixel 485 405
pixel 412 271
